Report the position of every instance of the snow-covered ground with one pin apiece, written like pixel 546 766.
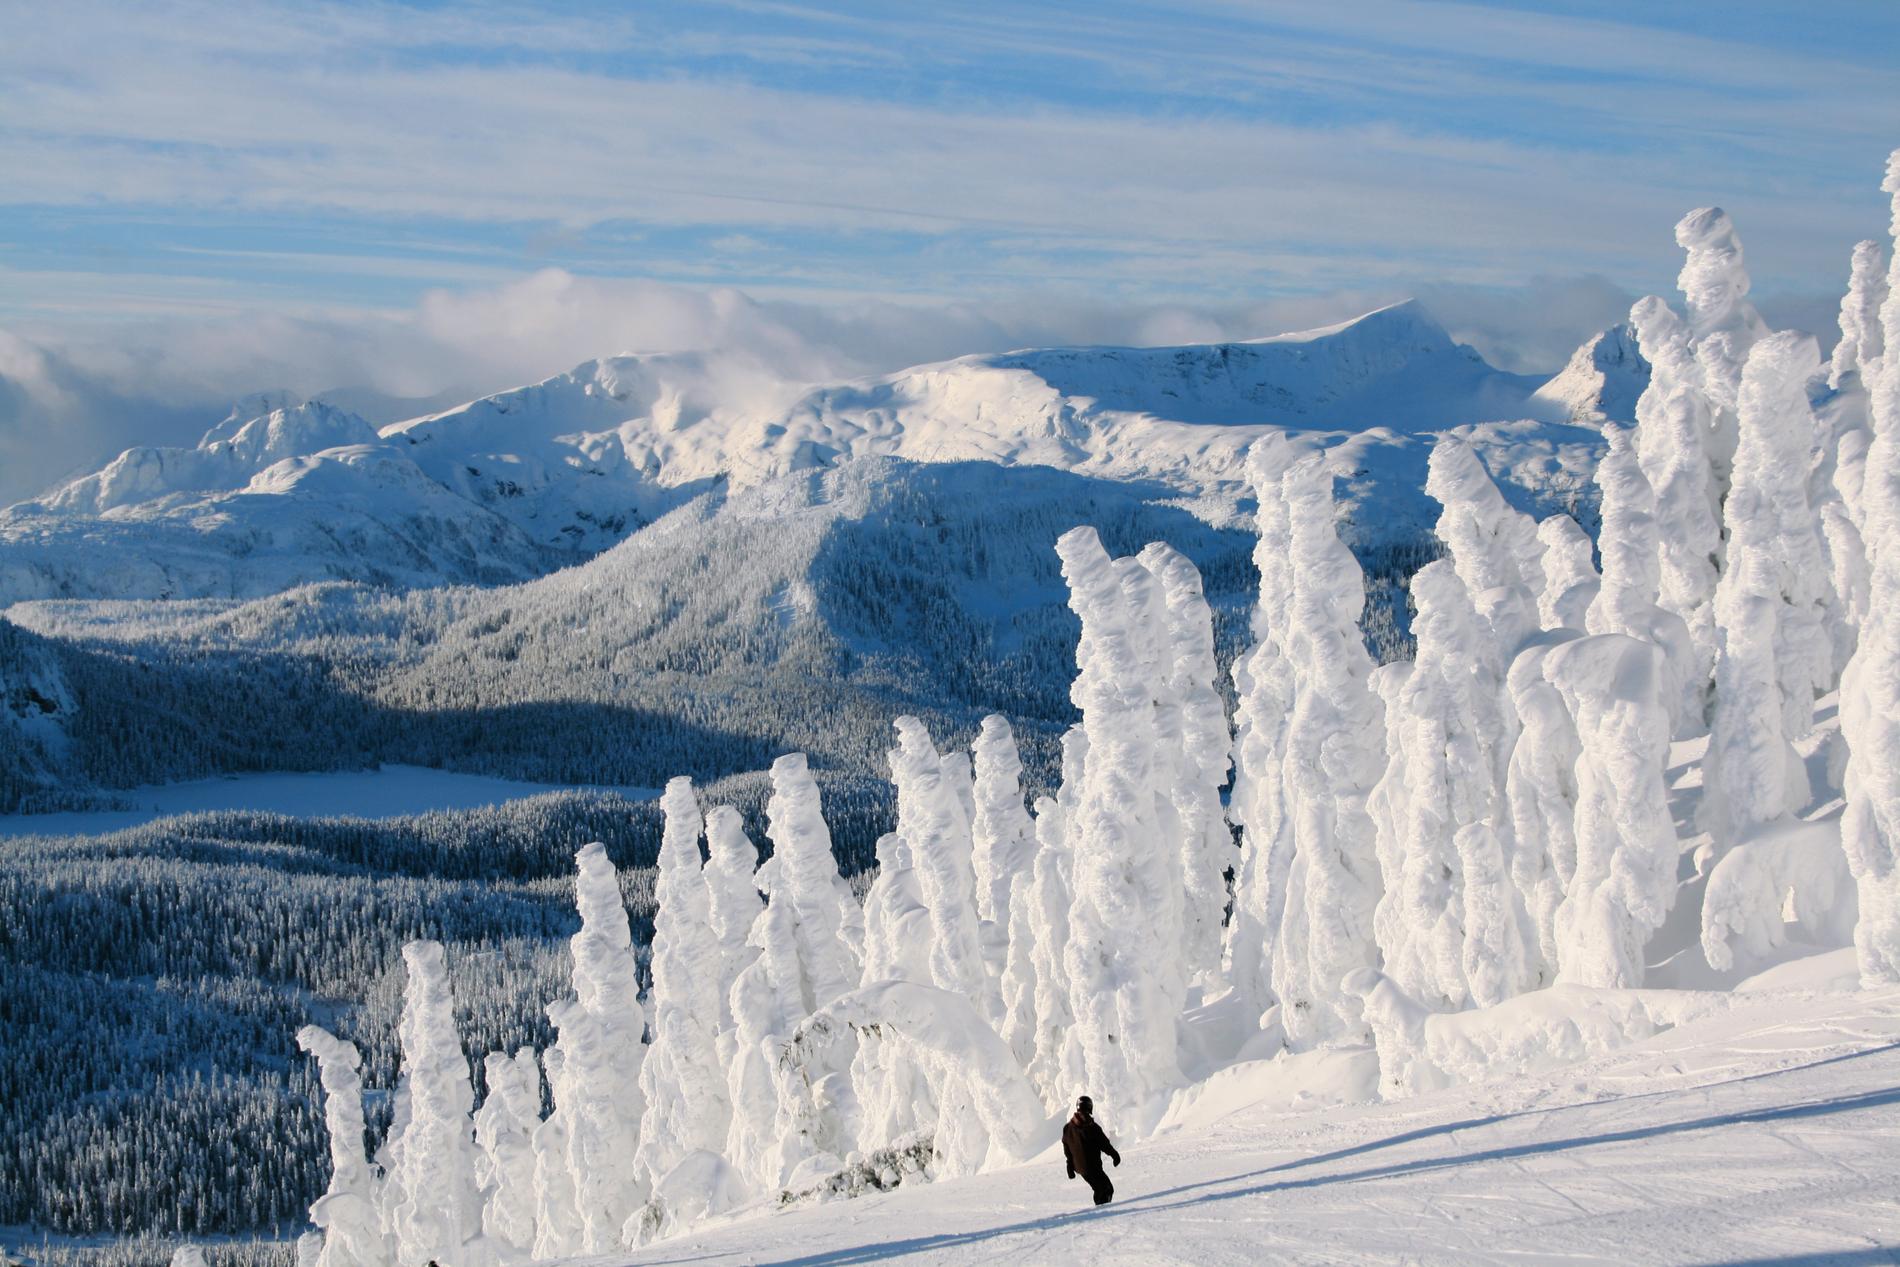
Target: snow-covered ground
pixel 388 791
pixel 1767 1133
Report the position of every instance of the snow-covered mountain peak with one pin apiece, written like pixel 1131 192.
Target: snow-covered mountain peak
pixel 1602 380
pixel 246 408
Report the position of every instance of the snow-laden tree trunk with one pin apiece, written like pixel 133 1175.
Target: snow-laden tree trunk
pixel 1450 923
pixel 1333 758
pixel 1124 971
pixel 1870 690
pixel 930 818
pixel 1626 846
pixel 603 1045
pixel 1674 427
pixel 434 1206
pixel 504 1135
pixel 681 1079
pixel 1571 582
pixel 1632 573
pixel 1772 606
pixel 1202 760
pixel 347 1212
pixel 1723 325
pixel 1002 837
pixel 1263 684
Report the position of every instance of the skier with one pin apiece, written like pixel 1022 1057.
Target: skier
pixel 1083 1143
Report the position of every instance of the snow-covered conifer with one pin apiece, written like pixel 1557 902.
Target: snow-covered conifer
pixel 1056 1067
pixel 1263 683
pixel 1541 790
pixel 1449 923
pixel 1632 577
pixel 1625 874
pixel 1002 837
pixel 1861 340
pixel 504 1135
pixel 1333 759
pixel 808 879
pixel 1723 324
pixel 1202 761
pixel 1571 582
pixel 893 1094
pixel 1772 607
pixel 558 1230
pixel 602 1041
pixel 732 900
pixel 767 1004
pixel 1870 688
pixel 681 1080
pixel 1845 430
pixel 1125 990
pixel 1494 548
pixel 434 1207
pixel 937 836
pixel 347 1211
pixel 1673 431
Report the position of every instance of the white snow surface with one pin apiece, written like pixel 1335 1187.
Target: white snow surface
pixel 1765 1131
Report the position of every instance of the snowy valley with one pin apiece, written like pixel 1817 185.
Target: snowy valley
pixel 1404 795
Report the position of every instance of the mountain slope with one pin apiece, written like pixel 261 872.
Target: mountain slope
pixel 1770 1133
pixel 517 484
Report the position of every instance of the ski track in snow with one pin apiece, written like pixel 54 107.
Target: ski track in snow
pixel 389 791
pixel 1768 1134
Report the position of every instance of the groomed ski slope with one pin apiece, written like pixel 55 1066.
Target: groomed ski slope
pixel 1768 1133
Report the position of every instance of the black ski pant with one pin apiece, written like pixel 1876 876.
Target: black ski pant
pixel 1104 1190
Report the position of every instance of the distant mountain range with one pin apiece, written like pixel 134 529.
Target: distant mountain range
pixel 287 492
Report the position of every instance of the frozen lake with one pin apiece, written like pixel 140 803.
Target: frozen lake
pixel 386 792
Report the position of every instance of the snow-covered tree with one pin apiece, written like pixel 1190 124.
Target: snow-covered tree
pixel 1571 582
pixel 682 1080
pixel 603 1045
pixel 1056 1067
pixel 1125 979
pixel 1870 689
pixel 1541 790
pixel 825 914
pixel 1450 922
pixel 347 1211
pixel 1632 577
pixel 1845 430
pixel 1333 758
pixel 1723 324
pixel 1263 683
pixel 1202 760
pixel 1002 837
pixel 767 1005
pixel 434 1209
pixel 1674 421
pixel 1625 874
pixel 558 1230
pixel 1773 605
pixel 1861 338
pixel 504 1135
pixel 930 818
pixel 893 1095
pixel 1494 548
pixel 732 901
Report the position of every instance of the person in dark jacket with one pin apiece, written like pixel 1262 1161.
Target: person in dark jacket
pixel 1083 1143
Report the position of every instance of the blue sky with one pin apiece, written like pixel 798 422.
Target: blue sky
pixel 187 182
